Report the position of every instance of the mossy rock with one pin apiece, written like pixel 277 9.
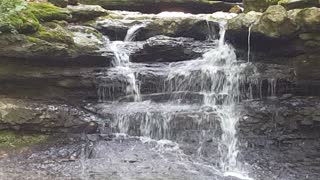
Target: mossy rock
pixel 53 32
pixel 21 22
pixel 47 12
pixel 309 19
pixel 9 139
pixel 275 23
pixel 242 22
pixel 28 20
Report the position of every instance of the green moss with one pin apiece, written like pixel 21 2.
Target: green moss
pixel 27 20
pixel 52 32
pixel 9 139
pixel 22 22
pixel 47 12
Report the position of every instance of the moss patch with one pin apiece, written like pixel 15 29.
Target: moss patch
pixel 53 33
pixel 9 139
pixel 47 12
pixel 22 22
pixel 27 20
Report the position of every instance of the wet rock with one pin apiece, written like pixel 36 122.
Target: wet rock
pixel 284 132
pixel 145 6
pixel 54 41
pixel 86 12
pixel 39 116
pixel 167 49
pixel 42 79
pixel 114 29
pixel 198 29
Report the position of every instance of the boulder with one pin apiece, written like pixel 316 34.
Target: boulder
pixel 157 6
pixel 242 22
pixel 275 23
pixel 308 19
pixel 86 12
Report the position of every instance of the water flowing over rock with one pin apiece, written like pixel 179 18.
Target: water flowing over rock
pixel 127 95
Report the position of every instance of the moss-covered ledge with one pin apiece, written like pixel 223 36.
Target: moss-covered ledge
pixel 14 140
pixel 157 6
pixel 40 30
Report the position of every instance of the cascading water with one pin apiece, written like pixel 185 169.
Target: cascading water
pixel 212 83
pixel 220 77
pixel 249 42
pixel 122 64
pixel 133 31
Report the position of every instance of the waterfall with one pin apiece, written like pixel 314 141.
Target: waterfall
pixel 249 42
pixel 212 83
pixel 122 64
pixel 133 31
pixel 219 76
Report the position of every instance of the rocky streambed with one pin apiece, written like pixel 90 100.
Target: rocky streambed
pixel 91 93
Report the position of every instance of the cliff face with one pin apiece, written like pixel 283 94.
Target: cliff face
pixel 58 75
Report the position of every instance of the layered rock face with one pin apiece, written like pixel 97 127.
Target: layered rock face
pixel 282 37
pixel 77 70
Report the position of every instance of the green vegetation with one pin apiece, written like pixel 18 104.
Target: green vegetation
pixel 17 16
pixel 54 33
pixel 9 139
pixel 47 12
